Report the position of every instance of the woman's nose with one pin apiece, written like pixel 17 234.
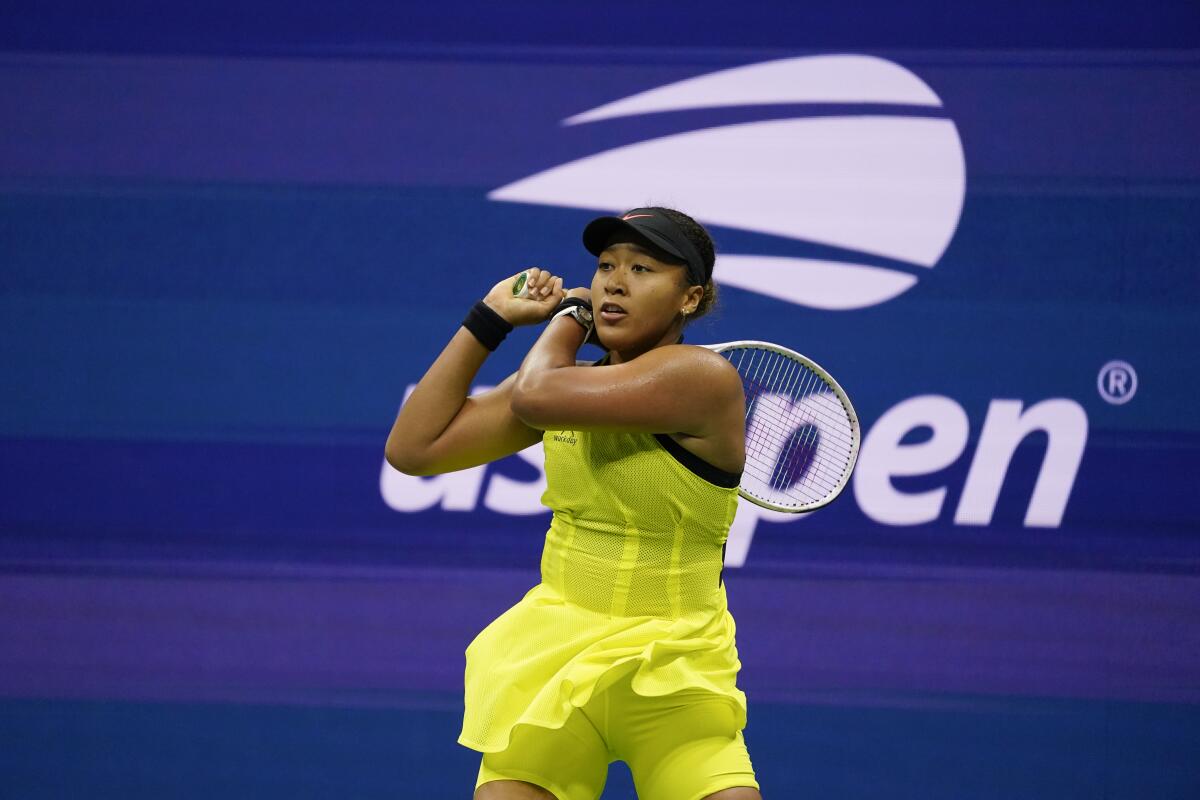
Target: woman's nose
pixel 614 281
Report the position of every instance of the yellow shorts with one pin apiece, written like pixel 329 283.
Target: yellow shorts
pixel 681 746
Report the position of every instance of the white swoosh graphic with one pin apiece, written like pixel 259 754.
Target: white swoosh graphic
pixel 807 79
pixel 889 186
pixel 829 285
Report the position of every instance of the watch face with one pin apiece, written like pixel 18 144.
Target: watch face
pixel 584 314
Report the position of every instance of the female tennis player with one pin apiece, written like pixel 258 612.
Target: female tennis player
pixel 625 650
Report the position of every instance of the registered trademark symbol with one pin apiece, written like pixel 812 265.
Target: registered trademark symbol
pixel 1117 382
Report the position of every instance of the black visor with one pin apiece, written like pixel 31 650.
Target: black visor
pixel 654 226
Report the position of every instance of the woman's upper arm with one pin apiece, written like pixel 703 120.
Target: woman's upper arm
pixel 672 389
pixel 485 429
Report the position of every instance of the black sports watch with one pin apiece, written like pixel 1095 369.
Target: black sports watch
pixel 578 309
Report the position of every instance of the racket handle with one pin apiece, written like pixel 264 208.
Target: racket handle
pixel 520 287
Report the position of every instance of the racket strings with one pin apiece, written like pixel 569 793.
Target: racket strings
pixel 820 466
pixel 787 385
pixel 834 416
pixel 799 436
pixel 832 420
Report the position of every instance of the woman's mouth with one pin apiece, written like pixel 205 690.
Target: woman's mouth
pixel 611 312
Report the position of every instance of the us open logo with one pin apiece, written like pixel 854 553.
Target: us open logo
pixel 862 187
pixel 879 192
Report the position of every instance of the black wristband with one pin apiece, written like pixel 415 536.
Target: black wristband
pixel 486 325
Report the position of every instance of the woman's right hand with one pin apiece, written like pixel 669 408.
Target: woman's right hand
pixel 544 293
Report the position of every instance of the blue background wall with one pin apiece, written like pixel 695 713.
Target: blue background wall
pixel 231 237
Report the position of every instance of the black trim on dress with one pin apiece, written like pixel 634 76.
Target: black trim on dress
pixel 698 465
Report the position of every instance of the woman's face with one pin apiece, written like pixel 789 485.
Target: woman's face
pixel 637 297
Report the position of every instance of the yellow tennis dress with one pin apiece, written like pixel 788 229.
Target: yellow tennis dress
pixel 630 585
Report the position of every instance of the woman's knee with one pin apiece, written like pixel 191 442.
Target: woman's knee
pixel 735 793
pixel 512 790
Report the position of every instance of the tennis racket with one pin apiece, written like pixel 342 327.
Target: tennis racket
pixel 802 434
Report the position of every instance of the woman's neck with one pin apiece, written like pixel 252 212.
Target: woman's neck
pixel 673 335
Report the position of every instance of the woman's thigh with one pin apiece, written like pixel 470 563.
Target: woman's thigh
pixel 570 762
pixel 678 747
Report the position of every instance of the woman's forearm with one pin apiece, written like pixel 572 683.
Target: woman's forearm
pixel 555 349
pixel 427 432
pixel 437 398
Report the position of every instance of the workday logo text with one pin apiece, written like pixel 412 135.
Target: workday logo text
pixel 879 191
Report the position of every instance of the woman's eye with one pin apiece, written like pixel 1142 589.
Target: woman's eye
pixel 641 267
pixel 604 265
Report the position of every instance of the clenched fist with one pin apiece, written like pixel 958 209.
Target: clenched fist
pixel 543 293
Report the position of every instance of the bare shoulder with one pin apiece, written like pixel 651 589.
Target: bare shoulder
pixel 702 359
pixel 706 365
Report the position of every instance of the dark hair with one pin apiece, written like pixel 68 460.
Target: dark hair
pixel 703 243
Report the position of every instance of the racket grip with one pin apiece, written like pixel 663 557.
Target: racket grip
pixel 520 287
